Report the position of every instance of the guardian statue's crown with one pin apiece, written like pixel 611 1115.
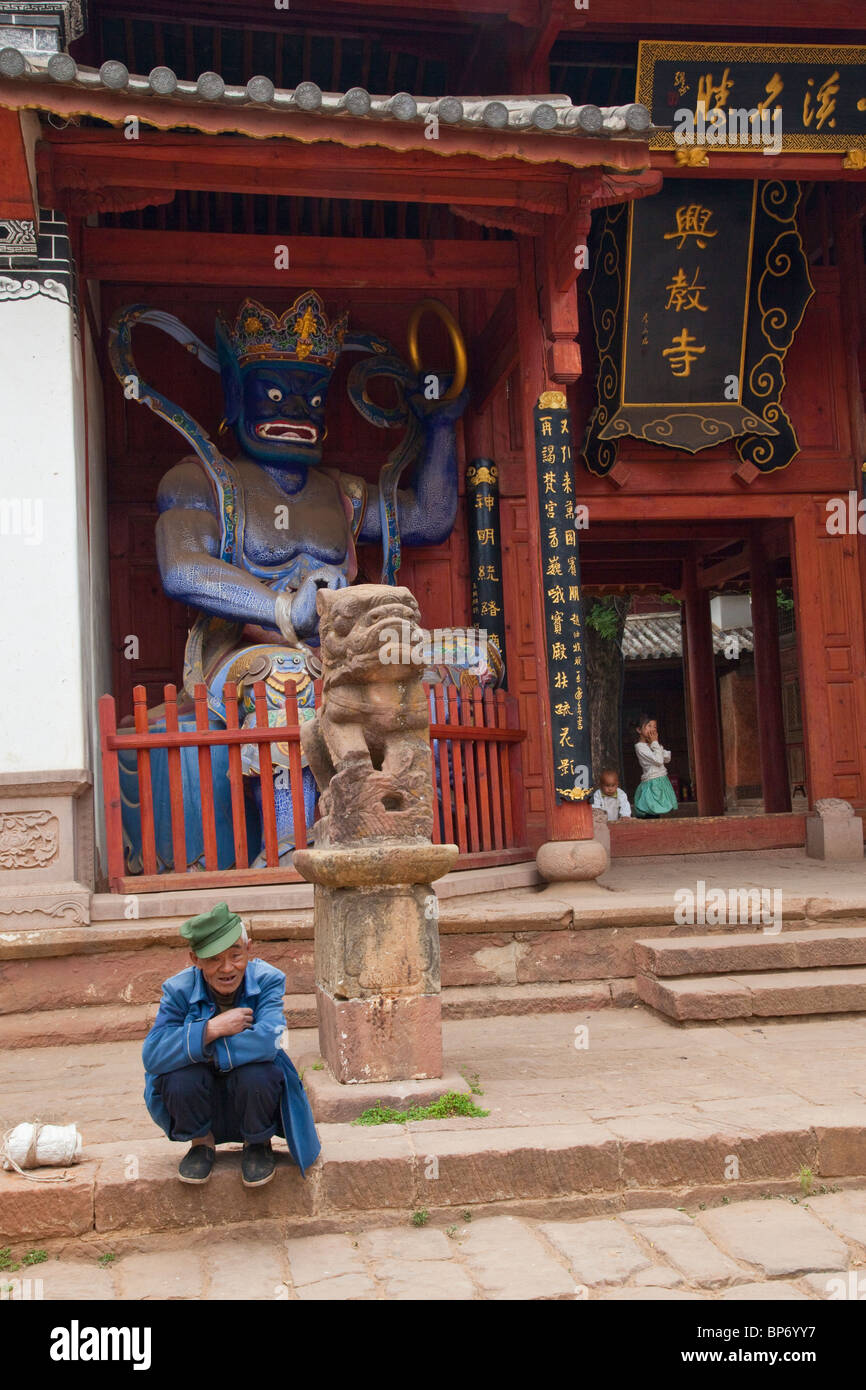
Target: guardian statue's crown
pixel 301 334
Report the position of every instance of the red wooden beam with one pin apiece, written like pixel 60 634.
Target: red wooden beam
pixel 752 164
pixel 586 193
pixel 98 161
pixel 668 15
pixel 221 258
pixel 558 311
pixel 16 190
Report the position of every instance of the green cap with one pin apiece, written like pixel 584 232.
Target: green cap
pixel 212 931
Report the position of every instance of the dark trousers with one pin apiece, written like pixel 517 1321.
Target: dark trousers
pixel 243 1104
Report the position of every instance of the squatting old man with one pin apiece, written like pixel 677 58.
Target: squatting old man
pixel 216 1072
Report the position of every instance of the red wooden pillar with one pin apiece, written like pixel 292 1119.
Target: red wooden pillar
pixel 702 696
pixel 569 820
pixel 831 640
pixel 16 199
pixel 768 679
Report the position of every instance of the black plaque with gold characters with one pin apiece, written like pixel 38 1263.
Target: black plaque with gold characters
pixel 696 296
pixel 563 604
pixel 820 90
pixel 485 552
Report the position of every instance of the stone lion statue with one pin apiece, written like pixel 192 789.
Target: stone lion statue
pixel 368 746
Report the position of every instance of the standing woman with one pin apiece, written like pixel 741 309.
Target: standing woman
pixel 655 796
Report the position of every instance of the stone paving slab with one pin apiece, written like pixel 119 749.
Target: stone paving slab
pixel 649 1254
pixel 599 1252
pixel 776 1241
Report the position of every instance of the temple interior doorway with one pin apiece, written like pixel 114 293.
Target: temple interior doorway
pixel 708 637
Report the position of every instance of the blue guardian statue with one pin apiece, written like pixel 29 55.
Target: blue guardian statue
pixel 249 541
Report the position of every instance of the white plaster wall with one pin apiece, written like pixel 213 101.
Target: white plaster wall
pixel 45 671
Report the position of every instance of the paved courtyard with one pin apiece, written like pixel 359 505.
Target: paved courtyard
pixel 599 1068
pixel 777 1248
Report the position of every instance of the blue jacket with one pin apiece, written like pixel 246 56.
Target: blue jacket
pixel 177 1040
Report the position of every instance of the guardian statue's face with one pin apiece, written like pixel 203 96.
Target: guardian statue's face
pixel 275 371
pixel 281 419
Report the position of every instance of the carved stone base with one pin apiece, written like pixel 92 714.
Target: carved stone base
pixel 46 849
pixel 833 831
pixel 58 905
pixel 381 1039
pixel 334 1103
pixel 571 861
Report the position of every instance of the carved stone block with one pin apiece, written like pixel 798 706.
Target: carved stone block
pixel 372 941
pixel 381 1039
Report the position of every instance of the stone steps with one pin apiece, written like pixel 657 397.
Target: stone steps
pixel 117 1022
pixel 729 976
pixel 121 1189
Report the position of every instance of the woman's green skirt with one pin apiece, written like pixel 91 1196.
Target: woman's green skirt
pixel 655 797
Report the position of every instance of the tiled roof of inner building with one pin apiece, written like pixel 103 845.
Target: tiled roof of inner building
pixel 658 637
pixel 539 115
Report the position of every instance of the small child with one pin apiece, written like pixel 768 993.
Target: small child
pixel 655 796
pixel 610 797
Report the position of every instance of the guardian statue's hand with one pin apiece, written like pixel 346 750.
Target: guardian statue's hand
pixel 437 410
pixel 304 617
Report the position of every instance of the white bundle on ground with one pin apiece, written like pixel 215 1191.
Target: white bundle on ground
pixel 34 1145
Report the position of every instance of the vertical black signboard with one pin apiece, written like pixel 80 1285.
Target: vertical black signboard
pixel 563 603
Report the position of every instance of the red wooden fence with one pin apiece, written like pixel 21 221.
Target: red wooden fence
pixel 477 784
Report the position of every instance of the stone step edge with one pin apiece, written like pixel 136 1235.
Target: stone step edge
pixel 296 924
pixel 726 952
pixel 96 1023
pixel 775 994
pixel 135 1187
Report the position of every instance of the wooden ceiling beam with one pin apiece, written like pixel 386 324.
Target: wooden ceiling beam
pixel 636 532
pixel 94 161
pixel 660 18
pixel 221 258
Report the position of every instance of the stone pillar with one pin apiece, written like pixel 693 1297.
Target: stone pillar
pixel 373 864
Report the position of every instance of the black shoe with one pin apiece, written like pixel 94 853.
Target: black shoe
pixel 258 1164
pixel 197 1165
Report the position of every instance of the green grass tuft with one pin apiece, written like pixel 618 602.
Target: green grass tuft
pixel 445 1108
